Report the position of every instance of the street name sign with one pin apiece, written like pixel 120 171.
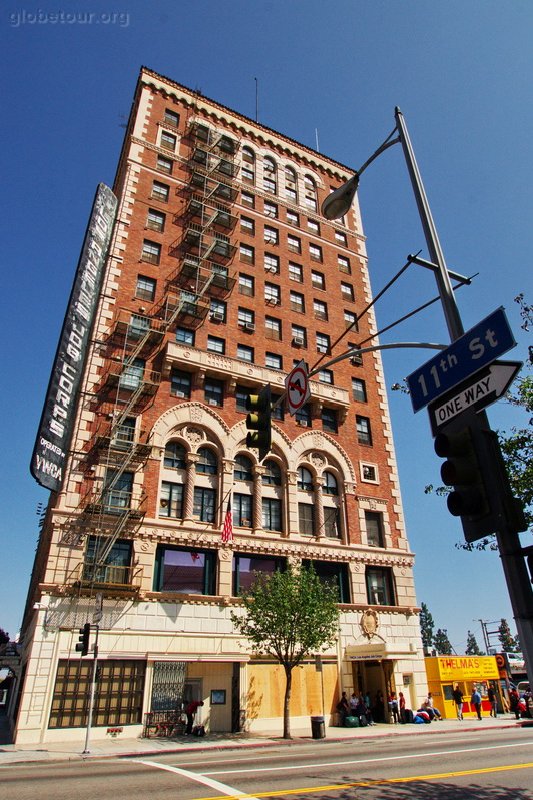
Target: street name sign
pixel 475 349
pixel 474 394
pixel 297 386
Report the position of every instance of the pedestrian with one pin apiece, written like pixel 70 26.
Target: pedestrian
pixel 401 702
pixel 379 707
pixel 476 702
pixel 458 700
pixel 429 706
pixel 343 708
pixel 514 700
pixel 190 712
pixel 493 700
pixel 393 707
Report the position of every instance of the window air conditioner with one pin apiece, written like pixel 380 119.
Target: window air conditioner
pixel 249 326
pixel 272 301
pixel 356 360
pixel 217 316
pixel 297 341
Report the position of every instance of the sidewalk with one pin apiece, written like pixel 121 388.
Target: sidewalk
pixel 123 747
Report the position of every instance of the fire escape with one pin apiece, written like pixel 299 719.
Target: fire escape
pixel 204 253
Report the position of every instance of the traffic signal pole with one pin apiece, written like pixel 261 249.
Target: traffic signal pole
pixel 94 675
pixel 509 545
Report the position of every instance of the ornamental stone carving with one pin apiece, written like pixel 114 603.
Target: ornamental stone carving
pixel 369 623
pixel 318 461
pixel 197 413
pixel 194 436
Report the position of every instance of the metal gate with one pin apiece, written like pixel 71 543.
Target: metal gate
pixel 167 685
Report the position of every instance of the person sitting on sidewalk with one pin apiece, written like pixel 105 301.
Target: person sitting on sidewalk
pixel 343 709
pixel 433 712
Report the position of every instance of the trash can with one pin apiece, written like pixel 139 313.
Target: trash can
pixel 318 727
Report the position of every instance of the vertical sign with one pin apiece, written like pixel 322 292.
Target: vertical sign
pixel 57 419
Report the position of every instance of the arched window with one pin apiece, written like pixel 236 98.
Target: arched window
pixel 175 456
pixel 243 469
pixel 248 165
pixel 207 463
pixel 272 474
pixel 291 184
pixel 329 484
pixel 310 192
pixel 305 480
pixel 270 181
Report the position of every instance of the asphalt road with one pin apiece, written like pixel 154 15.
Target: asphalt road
pixel 492 765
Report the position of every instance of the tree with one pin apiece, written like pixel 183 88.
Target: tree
pixel 472 647
pixel 507 640
pixel 4 637
pixel 289 615
pixel 426 628
pixel 442 643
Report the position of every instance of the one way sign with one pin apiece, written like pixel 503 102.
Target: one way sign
pixel 474 394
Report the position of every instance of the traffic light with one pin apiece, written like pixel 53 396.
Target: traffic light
pixel 259 421
pixel 83 643
pixel 481 494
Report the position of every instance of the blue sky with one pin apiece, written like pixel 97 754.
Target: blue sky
pixel 461 73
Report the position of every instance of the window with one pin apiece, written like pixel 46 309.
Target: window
pixel 359 390
pixel 306 519
pixel 247 254
pixel 184 570
pixel 322 343
pixel 364 435
pixel 350 320
pixel 175 456
pixel 242 510
pixel 151 252
pixel 269 175
pixel 272 294
pixel 241 394
pixel 344 265
pixel 247 175
pixel 216 345
pixel 291 185
pixel 171 500
pixel 297 302
pixel 329 420
pixel 294 244
pixel 332 522
pixel 270 210
pixel 180 384
pixel 299 335
pixel 347 292
pixel 271 235
pixel 271 514
pixel 117 491
pixel 310 192
pixel 293 218
pixel 243 470
pixel 296 272
pixel 164 165
pixel 303 416
pixel 246 568
pixel 160 191
pixel 320 309
pixel 272 328
pixel 247 199
pixel 171 118
pixel 138 326
pixel 217 310
pixel 329 484
pixel 315 251
pixel 133 375
pixel 247 225
pixel 155 220
pixel 245 317
pixel 305 480
pixel 313 226
pixel 325 376
pixel 246 285
pixel 374 529
pixel 333 573
pixel 379 587
pixel 204 504
pixel 318 280
pixel 369 473
pixel 168 141
pixel 277 410
pixel 340 237
pixel 116 567
pixel 145 288
pixel 245 353
pixel 124 434
pixel 272 473
pixel 271 263
pixel 214 392
pixel 273 360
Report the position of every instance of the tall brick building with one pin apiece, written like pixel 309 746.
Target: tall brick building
pixel 221 275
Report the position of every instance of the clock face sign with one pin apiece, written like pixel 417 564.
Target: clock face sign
pixel 297 385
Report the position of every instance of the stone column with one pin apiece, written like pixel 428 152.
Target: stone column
pixel 188 502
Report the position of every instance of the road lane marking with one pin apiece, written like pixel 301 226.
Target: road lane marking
pixel 337 787
pixel 378 759
pixel 193 776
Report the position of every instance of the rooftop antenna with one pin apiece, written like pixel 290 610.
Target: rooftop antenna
pixel 256 101
pixel 317 145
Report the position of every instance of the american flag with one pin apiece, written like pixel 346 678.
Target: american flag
pixel 227 530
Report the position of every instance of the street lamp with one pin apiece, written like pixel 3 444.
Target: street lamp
pixel 512 554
